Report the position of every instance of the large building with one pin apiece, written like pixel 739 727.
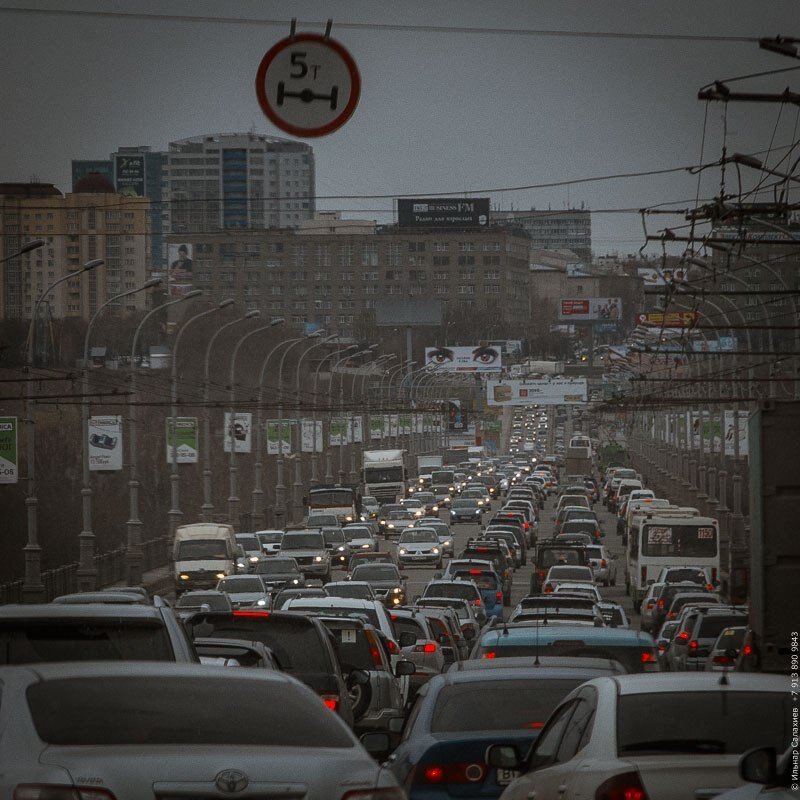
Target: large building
pixel 93 222
pixel 334 279
pixel 568 229
pixel 237 181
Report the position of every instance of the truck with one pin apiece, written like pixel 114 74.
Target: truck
pixel 578 461
pixel 385 474
pixel 341 500
pixel 203 554
pixel 425 465
pixel 771 644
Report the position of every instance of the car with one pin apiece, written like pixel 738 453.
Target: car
pixel 337 545
pixel 516 549
pixel 320 519
pixel 428 502
pixel 725 650
pixel 270 541
pixel 414 505
pixel 419 546
pixel 398 521
pixel 648 606
pixel 385 580
pixel 614 615
pixel 560 573
pixel 603 564
pixel 549 552
pixel 458 589
pixel 479 493
pixel 446 539
pixel 635 736
pixel 583 525
pixel 359 537
pixel 307 547
pixel 383 514
pixel 252 548
pixel 236 653
pixel 62 737
pixel 663 640
pixel 369 557
pixel 418 643
pixel 444 623
pixel 698 575
pixel 210 600
pixel 301 645
pixel 279 572
pixel 460 714
pixel 633 649
pixel 462 510
pixel 369 507
pixel 31 634
pixel 467 620
pixel 360 590
pixel 484 576
pixel 668 592
pixel 697 632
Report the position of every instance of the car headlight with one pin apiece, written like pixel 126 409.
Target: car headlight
pixel 183 576
pixel 401 552
pixel 261 603
pixel 389 525
pixel 480 502
pixel 477 511
pixel 435 508
pixel 221 575
pixel 447 543
pixel 295 581
pixel 363 518
pixel 451 489
pixel 365 546
pixel 418 513
pixel 435 551
pixel 254 559
pixel 340 549
pixel 349 517
pixel 317 558
pixel 397 590
pixel 382 522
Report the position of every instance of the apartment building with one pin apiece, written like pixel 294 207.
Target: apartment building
pixel 553 229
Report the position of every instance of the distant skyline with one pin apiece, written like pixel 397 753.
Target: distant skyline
pixel 442 110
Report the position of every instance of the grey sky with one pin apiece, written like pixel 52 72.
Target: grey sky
pixel 439 111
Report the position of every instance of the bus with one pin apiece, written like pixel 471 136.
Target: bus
pixel 341 500
pixel 670 540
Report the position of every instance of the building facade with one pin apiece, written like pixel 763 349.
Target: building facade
pixel 237 181
pixel 90 223
pixel 569 229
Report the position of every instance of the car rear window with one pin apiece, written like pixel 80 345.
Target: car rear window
pixel 465 592
pixel 29 642
pixel 165 710
pixel 630 656
pixel 547 558
pixel 712 625
pixel 719 722
pixel 295 643
pixel 570 573
pixel 483 581
pixel 487 705
pixel 353 646
pixel 405 625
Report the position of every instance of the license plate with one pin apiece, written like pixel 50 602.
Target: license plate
pixel 505 776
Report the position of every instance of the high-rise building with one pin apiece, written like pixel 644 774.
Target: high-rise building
pixel 568 229
pixel 237 180
pixel 82 167
pixel 92 222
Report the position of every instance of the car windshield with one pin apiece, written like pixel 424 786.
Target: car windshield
pixel 164 711
pixel 679 540
pixel 357 533
pixel 277 566
pixel 494 705
pixel 243 583
pixel 484 580
pixel 357 590
pixel 333 536
pixel 248 542
pixel 303 541
pixel 202 550
pixel 270 538
pixel 677 575
pixel 405 514
pixel 464 504
pixel 722 722
pixel 376 572
pixel 418 535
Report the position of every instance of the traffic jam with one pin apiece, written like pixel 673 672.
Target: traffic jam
pixel 532 625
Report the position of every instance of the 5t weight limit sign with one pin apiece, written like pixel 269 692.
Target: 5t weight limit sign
pixel 308 85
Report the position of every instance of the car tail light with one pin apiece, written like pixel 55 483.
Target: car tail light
pixel 425 647
pixel 693 644
pixel 251 613
pixel 625 786
pixel 474 572
pixel 671 615
pixel 376 655
pixel 747 650
pixel 548 589
pixel 331 701
pixel 709 587
pixel 647 657
pixel 49 791
pixel 478 601
pixel 662 648
pixel 489 654
pixel 471 772
pixel 604 563
pixel 722 659
pixel 650 604
pixel 393 648
pixel 683 636
pixel 498 597
pixel 644 575
pixel 661 604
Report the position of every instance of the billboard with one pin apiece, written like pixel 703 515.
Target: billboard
pixel 555 392
pixel 481 358
pixel 668 319
pixel 376 427
pixel 457 416
pixel 337 431
pixel 242 432
pixel 731 431
pixel 588 309
pixel 279 436
pixel 8 450
pixel 311 436
pixel 181 264
pixel 443 212
pixel 655 276
pixel 129 175
pixel 185 437
pixel 105 443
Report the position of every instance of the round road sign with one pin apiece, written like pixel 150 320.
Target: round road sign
pixel 308 85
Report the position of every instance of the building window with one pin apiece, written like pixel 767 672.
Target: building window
pixel 466 260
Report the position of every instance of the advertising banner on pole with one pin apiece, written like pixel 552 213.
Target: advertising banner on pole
pixel 279 436
pixel 105 443
pixel 480 358
pixel 337 433
pixel 394 425
pixel 731 433
pixel 712 432
pixel 404 423
pixel 693 424
pixel 544 392
pixel 9 467
pixel 376 427
pixel 184 436
pixel 310 436
pixel 358 429
pixel 240 429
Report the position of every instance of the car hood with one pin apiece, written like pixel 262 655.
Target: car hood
pixel 303 552
pixel 418 545
pixel 136 771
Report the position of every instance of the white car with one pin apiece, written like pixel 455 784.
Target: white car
pixel 660 737
pixel 648 606
pixel 560 573
pixel 579 589
pixel 211 731
pixel 603 564
pixel 419 546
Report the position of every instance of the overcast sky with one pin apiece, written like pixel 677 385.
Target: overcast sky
pixel 439 112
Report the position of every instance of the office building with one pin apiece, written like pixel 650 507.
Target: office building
pixel 568 229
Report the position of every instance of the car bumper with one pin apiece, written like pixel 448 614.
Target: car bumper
pixel 423 558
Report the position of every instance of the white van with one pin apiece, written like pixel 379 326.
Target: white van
pixel 204 553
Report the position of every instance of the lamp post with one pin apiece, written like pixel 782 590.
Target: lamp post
pixel 328 452
pixel 86 572
pixel 297 486
pixel 280 486
pixel 382 360
pixel 406 365
pixel 233 499
pixel 353 460
pixel 175 513
pixel 32 587
pixel 133 554
pixel 343 435
pixel 207 509
pixel 35 244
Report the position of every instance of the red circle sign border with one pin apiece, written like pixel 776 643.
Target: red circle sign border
pixel 335 124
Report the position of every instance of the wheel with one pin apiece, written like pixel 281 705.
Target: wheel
pixel 360 696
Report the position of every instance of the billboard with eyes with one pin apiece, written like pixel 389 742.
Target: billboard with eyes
pixel 480 358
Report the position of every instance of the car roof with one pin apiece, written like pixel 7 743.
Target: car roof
pixel 333 602
pixel 531 633
pixel 509 673
pixel 576 666
pixel 46 611
pixel 647 683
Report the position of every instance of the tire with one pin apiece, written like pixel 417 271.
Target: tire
pixel 360 698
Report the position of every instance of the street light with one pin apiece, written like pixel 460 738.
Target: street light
pixel 133 556
pixel 353 468
pixel 207 508
pixel 334 367
pixel 86 539
pixel 32 587
pixel 174 512
pixel 34 244
pixel 398 370
pixel 233 499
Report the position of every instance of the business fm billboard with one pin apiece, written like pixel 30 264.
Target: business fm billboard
pixel 443 212
pixel 556 392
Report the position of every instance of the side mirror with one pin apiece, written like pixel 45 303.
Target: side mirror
pixel 503 756
pixel 760 766
pixel 377 744
pixel 405 668
pixel 407 639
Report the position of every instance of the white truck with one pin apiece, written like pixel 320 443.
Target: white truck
pixel 204 553
pixel 385 474
pixel 425 465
